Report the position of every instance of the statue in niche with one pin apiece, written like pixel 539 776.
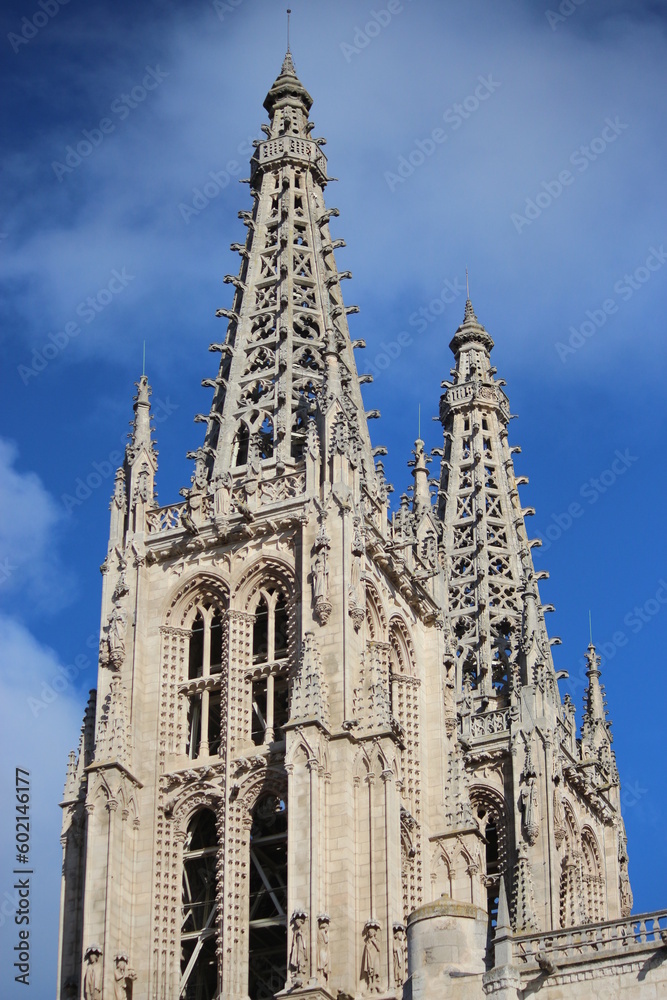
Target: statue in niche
pixel 112 645
pixel 123 977
pixel 370 959
pixel 92 979
pixel 323 957
pixel 529 804
pixel 223 494
pixel 320 572
pixel 298 956
pixel 399 954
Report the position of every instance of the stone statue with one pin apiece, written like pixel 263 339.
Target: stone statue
pixel 320 572
pixel 298 956
pixel 123 977
pixel 531 809
pixel 92 979
pixel 370 959
pixel 399 954
pixel 112 645
pixel 323 958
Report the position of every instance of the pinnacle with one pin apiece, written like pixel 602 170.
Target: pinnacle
pixel 470 331
pixel 287 88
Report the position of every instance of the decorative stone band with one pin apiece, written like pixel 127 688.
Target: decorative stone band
pixel 305 150
pixel 271 491
pixel 486 724
pixel 578 945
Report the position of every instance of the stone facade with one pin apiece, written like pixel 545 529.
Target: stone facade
pixel 327 752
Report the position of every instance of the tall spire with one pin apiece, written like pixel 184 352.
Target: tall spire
pixel 494 604
pixel 287 327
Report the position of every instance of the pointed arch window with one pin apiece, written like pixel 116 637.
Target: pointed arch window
pixel 203 687
pixel 270 708
pixel 267 968
pixel 240 447
pixel 199 963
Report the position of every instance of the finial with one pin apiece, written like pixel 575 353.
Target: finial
pixel 143 366
pixel 288 18
pixel 419 421
pixel 590 626
pixel 467 286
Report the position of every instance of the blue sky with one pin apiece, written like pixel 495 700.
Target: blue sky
pixel 525 145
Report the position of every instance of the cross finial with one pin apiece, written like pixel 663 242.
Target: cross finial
pixel 288 18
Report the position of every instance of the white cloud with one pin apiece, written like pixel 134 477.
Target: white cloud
pixel 29 528
pixel 37 740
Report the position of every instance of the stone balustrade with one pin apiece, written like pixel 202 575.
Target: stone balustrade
pixel 573 945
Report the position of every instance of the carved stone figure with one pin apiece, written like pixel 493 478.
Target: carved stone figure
pixel 400 946
pixel 530 808
pixel 92 979
pixel 112 645
pixel 320 572
pixel 370 959
pixel 123 977
pixel 298 956
pixel 323 957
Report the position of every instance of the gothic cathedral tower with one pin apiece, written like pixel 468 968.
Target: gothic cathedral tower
pixel 321 735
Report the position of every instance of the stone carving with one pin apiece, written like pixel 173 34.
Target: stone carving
pixel 370 959
pixel 320 575
pixel 92 978
pixel 298 956
pixel 112 643
pixel 323 956
pixel 123 977
pixel 400 949
pixel 530 809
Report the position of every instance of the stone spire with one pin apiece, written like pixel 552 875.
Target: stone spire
pixel 134 486
pixel 596 735
pixel 287 334
pixel 494 605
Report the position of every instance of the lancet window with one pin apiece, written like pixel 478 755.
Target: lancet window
pixel 204 685
pixel 267 969
pixel 199 966
pixel 270 708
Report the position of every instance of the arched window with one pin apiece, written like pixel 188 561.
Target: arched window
pixel 267 970
pixel 489 813
pixel 593 879
pixel 240 447
pixel 203 687
pixel 199 966
pixel 270 640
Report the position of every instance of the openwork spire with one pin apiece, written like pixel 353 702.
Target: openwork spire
pixel 494 606
pixel 287 338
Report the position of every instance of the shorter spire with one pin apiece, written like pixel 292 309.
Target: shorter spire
pixel 470 331
pixel 141 425
pixel 288 89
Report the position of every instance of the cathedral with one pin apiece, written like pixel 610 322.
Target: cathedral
pixel 327 757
